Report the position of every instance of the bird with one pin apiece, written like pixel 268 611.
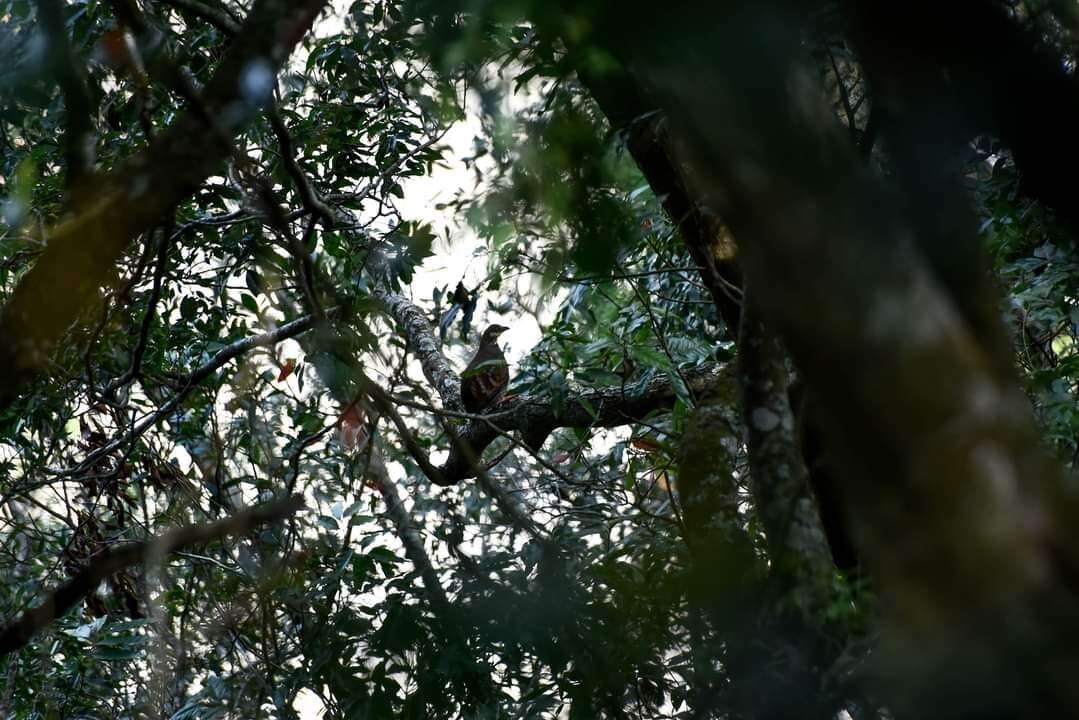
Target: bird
pixel 486 377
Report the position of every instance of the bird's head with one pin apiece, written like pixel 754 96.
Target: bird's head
pixel 490 335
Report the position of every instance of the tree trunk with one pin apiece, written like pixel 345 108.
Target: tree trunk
pixel 968 529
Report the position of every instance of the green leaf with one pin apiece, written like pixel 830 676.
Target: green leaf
pixel 189 308
pixel 253 281
pixel 589 408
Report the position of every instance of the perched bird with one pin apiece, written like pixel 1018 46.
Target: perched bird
pixel 487 375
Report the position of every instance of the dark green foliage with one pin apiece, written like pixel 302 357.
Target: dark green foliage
pixel 613 572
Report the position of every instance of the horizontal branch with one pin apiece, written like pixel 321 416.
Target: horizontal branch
pixel 204 11
pixel 533 417
pixel 536 417
pixel 66 596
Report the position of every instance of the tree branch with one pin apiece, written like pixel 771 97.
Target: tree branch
pixel 309 198
pixel 424 346
pixel 384 404
pixel 215 16
pixel 478 680
pixel 112 561
pixel 219 360
pixel 779 480
pixel 82 250
pixel 509 505
pixel 536 417
pixel 937 450
pixel 409 534
pixel 137 354
pixel 649 142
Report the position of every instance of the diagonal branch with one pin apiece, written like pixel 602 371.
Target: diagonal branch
pixel 82 251
pixel 423 344
pixel 309 197
pixel 477 679
pixel 648 140
pixel 409 534
pixel 384 404
pixel 66 596
pixel 518 515
pixel 223 357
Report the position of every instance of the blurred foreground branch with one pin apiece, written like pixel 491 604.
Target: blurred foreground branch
pixel 969 530
pixel 83 250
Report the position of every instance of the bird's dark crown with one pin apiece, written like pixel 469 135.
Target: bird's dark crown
pixel 490 335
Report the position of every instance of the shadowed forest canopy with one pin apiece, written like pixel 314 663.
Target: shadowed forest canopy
pixel 788 293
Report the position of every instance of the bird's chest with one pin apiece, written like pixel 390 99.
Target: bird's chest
pixel 491 379
pixel 483 382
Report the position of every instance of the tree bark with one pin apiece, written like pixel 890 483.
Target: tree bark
pixel 709 241
pixel 725 571
pixel 778 478
pixel 969 529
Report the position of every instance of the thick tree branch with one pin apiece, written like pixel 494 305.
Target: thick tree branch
pixel 997 74
pixel 309 198
pixel 724 569
pixel 969 530
pixel 648 140
pixel 536 417
pixel 112 561
pixel 82 251
pixel 800 561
